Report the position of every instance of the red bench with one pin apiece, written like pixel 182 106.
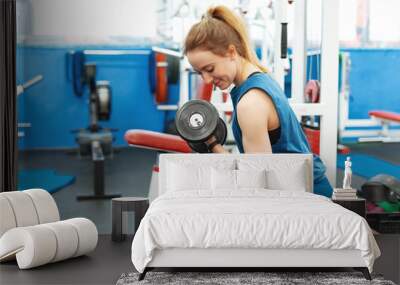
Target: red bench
pixel 391 117
pixel 385 119
pixel 157 141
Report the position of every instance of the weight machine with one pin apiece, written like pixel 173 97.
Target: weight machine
pixel 94 141
pixel 21 89
pixel 327 108
pixel 382 118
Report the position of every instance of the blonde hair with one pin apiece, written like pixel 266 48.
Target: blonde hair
pixel 219 28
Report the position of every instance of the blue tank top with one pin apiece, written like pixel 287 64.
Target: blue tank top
pixel 292 138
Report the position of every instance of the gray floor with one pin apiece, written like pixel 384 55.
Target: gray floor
pixel 129 173
pixel 110 259
pixel 386 151
pixel 103 266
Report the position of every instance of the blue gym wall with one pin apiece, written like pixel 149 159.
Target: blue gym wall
pixel 374 81
pixel 20 66
pixel 54 110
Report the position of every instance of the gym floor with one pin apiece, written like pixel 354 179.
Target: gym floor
pixel 129 173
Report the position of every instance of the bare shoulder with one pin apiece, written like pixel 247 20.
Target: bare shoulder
pixel 255 100
pixel 253 112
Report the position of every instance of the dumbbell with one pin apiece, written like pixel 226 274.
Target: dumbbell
pixel 197 121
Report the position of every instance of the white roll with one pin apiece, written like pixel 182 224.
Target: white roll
pixel 7 217
pixel 45 205
pixel 33 246
pixel 10 243
pixel 24 210
pixel 87 235
pixel 67 240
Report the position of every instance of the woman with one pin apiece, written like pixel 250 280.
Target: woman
pixel 219 49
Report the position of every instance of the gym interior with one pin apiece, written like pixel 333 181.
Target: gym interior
pixel 104 122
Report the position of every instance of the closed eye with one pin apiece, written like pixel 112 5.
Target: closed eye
pixel 209 69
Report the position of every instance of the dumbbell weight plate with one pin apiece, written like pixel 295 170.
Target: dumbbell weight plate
pixel 220 133
pixel 199 147
pixel 196 120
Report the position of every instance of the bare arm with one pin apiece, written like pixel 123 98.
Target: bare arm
pixel 253 112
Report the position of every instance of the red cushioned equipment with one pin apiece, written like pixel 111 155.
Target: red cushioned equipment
pixel 205 91
pixel 313 137
pixel 343 149
pixel 385 119
pixel 161 94
pixel 385 115
pixel 156 140
pixel 312 91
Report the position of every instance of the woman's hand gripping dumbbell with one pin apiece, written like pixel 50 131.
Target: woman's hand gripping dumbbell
pixel 198 122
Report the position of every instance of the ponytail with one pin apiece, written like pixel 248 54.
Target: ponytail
pixel 219 28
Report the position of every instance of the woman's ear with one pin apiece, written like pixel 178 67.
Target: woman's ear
pixel 232 53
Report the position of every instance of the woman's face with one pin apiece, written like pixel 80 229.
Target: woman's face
pixel 213 68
